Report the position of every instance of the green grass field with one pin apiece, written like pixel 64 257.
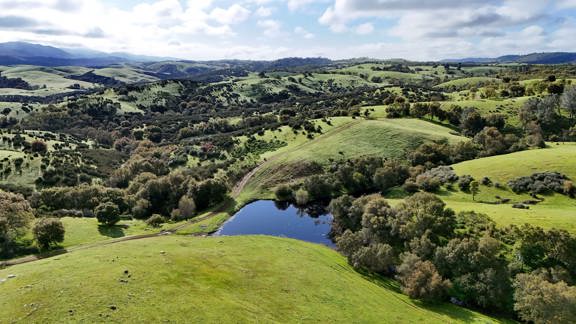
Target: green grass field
pixel 209 280
pixel 508 107
pixel 87 230
pixel 125 74
pixel 360 137
pixel 557 211
pixel 502 168
pixel 467 82
pixel 351 138
pixel 50 80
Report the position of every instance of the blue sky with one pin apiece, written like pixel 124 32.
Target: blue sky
pixel 269 29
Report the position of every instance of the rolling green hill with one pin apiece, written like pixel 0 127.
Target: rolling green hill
pixel 214 280
pixel 557 211
pixel 349 138
pixel 467 82
pixel 506 167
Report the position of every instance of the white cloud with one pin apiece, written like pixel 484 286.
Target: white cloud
pixel 364 29
pixel 264 12
pixel 233 15
pixel 147 28
pixel 298 4
pixel 563 4
pixel 206 29
pixel 271 28
pixel 439 18
pixel 303 32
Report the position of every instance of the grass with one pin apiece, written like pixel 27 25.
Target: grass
pixel 207 226
pixel 385 137
pixel 508 107
pixel 51 80
pixel 503 168
pixel 87 230
pixel 351 138
pixel 210 280
pixel 557 211
pixel 467 82
pixel 125 74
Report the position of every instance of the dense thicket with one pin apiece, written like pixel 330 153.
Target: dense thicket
pixel 438 255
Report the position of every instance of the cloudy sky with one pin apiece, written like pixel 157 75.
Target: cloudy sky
pixel 268 29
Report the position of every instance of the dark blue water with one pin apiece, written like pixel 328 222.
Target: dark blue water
pixel 266 217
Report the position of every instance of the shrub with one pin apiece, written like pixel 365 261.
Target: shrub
pixel 428 183
pixel 107 213
pixel 48 231
pixel 421 280
pixel 39 147
pixel 186 207
pixel 283 193
pixel 375 257
pixel 410 186
pixel 540 301
pixel 486 181
pixel 444 174
pixel 15 218
pixel 540 183
pixel 302 197
pixel 464 183
pixel 156 220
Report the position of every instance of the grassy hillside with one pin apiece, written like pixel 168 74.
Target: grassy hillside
pixel 502 168
pixel 508 107
pixel 467 82
pixel 350 139
pixel 125 74
pixel 557 211
pixel 50 80
pixel 215 280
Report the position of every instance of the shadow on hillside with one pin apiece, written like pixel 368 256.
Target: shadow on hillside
pixel 114 231
pixel 457 313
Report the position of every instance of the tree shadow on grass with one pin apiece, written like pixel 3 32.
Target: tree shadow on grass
pixel 455 312
pixel 114 231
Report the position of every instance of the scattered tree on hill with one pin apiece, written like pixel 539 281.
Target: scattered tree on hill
pixel 474 189
pixel 39 147
pixel 186 209
pixel 302 197
pixel 568 100
pixel 156 220
pixel 15 218
pixel 540 301
pixel 390 175
pixel 421 280
pixel 283 193
pixel 378 258
pixel 464 182
pixel 471 122
pixel 48 231
pixel 107 213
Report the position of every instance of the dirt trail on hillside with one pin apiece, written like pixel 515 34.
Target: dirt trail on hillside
pixel 242 183
pixel 234 194
pixel 32 258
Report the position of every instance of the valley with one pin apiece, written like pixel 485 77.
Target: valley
pixel 428 190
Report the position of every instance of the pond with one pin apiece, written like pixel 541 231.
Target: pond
pixel 267 217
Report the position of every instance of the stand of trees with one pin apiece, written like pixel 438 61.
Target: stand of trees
pixel 438 255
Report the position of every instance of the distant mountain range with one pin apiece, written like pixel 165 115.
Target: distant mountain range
pixel 14 53
pixel 17 53
pixel 534 58
pixel 20 53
